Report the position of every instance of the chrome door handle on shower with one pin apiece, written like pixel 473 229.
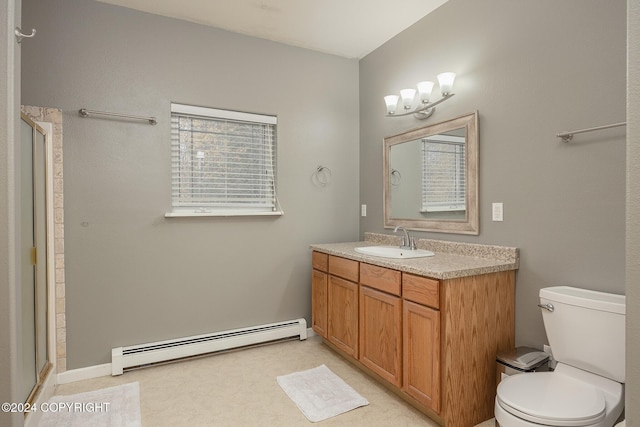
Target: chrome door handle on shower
pixel 548 307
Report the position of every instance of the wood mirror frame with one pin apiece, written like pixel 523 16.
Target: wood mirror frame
pixel 470 223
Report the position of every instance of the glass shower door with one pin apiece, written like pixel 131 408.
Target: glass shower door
pixel 27 220
pixel 33 217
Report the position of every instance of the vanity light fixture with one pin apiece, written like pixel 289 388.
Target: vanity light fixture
pixel 425 108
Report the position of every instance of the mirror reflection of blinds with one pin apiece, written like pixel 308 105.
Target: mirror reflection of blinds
pixel 222 160
pixel 443 174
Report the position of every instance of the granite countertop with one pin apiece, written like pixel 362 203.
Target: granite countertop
pixel 451 260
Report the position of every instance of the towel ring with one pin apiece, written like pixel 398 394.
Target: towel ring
pixel 395 177
pixel 322 175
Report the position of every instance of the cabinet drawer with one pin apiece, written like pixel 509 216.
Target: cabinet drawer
pixel 380 278
pixel 345 268
pixel 421 290
pixel 320 261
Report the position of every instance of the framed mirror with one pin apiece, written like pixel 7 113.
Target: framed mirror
pixel 431 177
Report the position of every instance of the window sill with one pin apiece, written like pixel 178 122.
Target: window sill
pixel 443 209
pixel 220 214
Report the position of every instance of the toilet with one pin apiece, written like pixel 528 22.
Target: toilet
pixel 586 332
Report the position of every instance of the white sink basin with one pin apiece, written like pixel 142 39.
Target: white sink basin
pixel 393 252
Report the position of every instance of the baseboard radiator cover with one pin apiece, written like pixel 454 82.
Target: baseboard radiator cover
pixel 165 351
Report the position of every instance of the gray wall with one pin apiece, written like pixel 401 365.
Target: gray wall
pixel 10 330
pixel 633 215
pixel 133 276
pixel 406 193
pixel 531 69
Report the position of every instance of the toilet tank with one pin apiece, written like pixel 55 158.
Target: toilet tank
pixel 586 329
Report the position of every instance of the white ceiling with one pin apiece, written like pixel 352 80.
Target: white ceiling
pixel 348 28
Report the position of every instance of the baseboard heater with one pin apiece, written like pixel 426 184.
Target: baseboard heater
pixel 164 351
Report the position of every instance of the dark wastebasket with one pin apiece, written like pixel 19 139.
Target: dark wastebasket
pixel 520 360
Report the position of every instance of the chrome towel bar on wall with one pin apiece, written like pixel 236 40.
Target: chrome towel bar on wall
pixel 86 113
pixel 568 136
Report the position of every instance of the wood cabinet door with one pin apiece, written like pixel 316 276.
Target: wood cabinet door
pixel 421 349
pixel 381 334
pixel 319 299
pixel 343 315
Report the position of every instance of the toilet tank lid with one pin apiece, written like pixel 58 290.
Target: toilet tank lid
pixel 612 303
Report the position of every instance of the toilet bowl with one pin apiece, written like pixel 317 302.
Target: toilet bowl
pixel 586 333
pixel 566 397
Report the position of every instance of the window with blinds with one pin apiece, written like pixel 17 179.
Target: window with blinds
pixel 222 162
pixel 443 174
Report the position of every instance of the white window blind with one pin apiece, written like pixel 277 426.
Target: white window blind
pixel 444 179
pixel 222 162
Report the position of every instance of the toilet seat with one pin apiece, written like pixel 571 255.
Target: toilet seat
pixel 552 399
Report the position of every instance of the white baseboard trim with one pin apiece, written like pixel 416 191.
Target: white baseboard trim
pixel 84 373
pixel 97 371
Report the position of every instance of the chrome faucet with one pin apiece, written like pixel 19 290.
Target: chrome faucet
pixel 407 242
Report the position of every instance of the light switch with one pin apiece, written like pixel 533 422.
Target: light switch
pixel 363 210
pixel 497 212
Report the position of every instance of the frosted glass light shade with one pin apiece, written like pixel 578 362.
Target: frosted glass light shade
pixel 407 97
pixel 445 80
pixel 424 90
pixel 392 102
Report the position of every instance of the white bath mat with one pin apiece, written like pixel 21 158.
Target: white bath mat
pixel 108 407
pixel 320 394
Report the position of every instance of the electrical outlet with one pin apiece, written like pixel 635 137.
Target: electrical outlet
pixel 497 212
pixel 363 210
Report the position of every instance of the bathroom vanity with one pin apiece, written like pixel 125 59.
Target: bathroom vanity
pixel 428 328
